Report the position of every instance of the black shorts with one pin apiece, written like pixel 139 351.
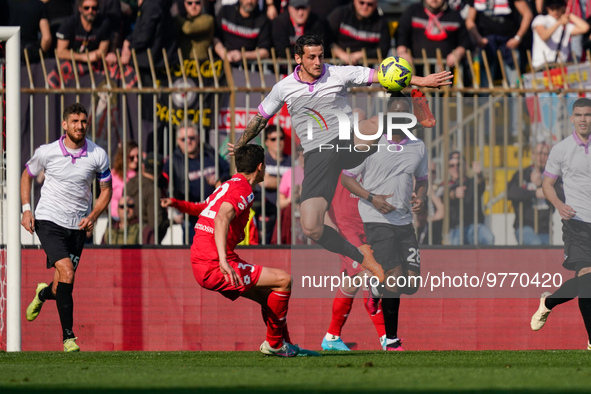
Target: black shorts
pixel 394 245
pixel 323 166
pixel 577 244
pixel 59 242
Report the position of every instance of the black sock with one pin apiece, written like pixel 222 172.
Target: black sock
pixel 332 241
pixel 585 301
pixel 46 294
pixel 65 308
pixel 568 291
pixel 390 307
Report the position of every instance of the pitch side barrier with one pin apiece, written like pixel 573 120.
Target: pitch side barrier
pixel 137 312
pixel 495 129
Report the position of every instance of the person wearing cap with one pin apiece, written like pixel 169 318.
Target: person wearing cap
pixel 152 214
pixel 552 33
pixel 291 25
pixel 358 26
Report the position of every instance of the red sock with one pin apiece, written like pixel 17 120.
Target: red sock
pixel 377 319
pixel 341 307
pixel 277 304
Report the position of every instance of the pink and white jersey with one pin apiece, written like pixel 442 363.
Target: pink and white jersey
pixel 238 192
pixel 69 173
pixel 392 170
pixel 570 159
pixel 312 105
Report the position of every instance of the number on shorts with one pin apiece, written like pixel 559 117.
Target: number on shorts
pixel 207 212
pixel 75 260
pixel 415 256
pixel 244 265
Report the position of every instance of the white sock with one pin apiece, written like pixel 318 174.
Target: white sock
pixel 330 337
pixel 391 341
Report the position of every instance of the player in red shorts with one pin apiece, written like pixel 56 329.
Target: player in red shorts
pixel 217 267
pixel 351 227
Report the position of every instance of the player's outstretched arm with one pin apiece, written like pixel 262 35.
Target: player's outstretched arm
pixel 192 208
pixel 28 221
pixel 434 80
pixel 100 205
pixel 254 127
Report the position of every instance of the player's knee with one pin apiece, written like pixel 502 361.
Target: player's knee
pixel 284 281
pixel 313 232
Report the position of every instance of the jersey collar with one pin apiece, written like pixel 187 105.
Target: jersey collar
pixel 580 143
pixel 65 151
pixel 310 84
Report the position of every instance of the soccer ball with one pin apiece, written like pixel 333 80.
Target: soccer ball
pixel 394 73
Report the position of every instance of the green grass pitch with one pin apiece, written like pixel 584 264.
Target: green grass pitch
pixel 238 372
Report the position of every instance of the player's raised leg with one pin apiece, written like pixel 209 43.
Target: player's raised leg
pixel 313 211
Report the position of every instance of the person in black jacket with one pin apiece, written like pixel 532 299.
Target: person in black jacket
pixel 358 26
pixel 528 194
pixel 153 30
pixel 242 26
pixel 188 141
pixel 465 193
pixel 291 25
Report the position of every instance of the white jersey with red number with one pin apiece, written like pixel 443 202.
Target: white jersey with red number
pixel 237 192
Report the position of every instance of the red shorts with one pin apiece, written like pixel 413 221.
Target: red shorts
pixel 210 277
pixel 357 237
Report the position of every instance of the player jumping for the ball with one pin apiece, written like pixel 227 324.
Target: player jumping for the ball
pixel 313 85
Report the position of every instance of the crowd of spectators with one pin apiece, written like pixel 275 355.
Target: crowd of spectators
pixel 352 30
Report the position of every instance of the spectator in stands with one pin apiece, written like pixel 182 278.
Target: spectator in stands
pixel 112 11
pixel 119 179
pixel 527 196
pixel 498 25
pixel 152 30
pixel 188 142
pixel 466 194
pixel 117 233
pixel 432 25
pixel 356 27
pixel 195 30
pixel 58 12
pixel 291 25
pixel 277 164
pixel 242 26
pixel 31 16
pixel 84 31
pixel 325 7
pixel 289 196
pixel 152 192
pixel 552 33
pixel 431 219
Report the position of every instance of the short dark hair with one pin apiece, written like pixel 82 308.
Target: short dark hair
pixel 273 129
pixel 248 157
pixel 311 40
pixel 75 109
pixel 582 102
pixel 399 96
